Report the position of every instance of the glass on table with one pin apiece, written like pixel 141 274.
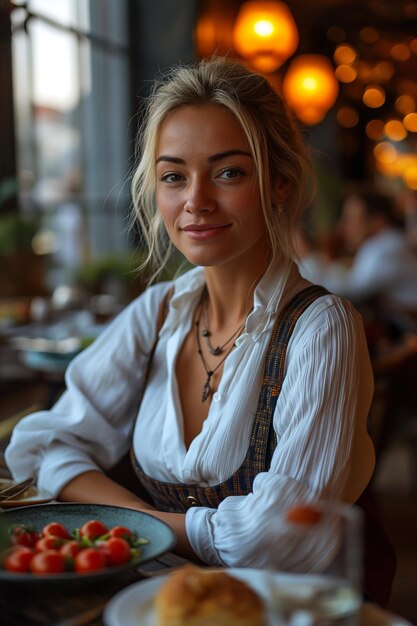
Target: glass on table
pixel 325 586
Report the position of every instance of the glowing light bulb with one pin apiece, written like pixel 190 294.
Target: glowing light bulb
pixel 310 87
pixel 310 83
pixel 263 28
pixel 265 33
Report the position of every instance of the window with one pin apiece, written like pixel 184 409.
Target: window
pixel 74 134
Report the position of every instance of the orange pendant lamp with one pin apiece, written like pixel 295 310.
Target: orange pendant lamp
pixel 310 87
pixel 265 34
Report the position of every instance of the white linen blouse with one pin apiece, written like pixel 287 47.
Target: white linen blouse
pixel 323 449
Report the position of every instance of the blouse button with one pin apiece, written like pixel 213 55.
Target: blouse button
pixel 217 397
pixel 191 501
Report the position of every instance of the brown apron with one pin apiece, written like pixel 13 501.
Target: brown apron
pixel 178 497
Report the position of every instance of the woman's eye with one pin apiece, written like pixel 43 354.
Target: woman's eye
pixel 231 172
pixel 171 177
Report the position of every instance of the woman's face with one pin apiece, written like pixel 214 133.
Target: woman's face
pixel 354 223
pixel 207 189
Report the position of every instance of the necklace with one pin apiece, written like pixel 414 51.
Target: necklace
pixel 205 392
pixel 205 332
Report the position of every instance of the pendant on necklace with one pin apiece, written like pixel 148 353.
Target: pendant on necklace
pixel 206 392
pixel 214 351
pixel 206 388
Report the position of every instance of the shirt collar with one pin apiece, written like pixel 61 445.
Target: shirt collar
pixel 278 283
pixel 187 292
pixel 268 296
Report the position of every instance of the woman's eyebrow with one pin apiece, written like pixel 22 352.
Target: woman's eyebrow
pixel 170 159
pixel 211 159
pixel 224 155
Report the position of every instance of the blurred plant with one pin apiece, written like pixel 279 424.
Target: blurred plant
pixel 16 233
pixel 92 275
pixel 8 190
pixel 16 230
pixel 94 272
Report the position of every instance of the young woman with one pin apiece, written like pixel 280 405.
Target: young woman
pixel 255 395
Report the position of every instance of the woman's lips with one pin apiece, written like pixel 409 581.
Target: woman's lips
pixel 204 231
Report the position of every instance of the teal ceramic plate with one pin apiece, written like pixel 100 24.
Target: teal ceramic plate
pixel 161 538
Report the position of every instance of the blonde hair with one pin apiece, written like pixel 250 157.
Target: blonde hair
pixel 278 150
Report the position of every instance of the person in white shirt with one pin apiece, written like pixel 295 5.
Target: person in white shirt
pixel 224 173
pixel 384 265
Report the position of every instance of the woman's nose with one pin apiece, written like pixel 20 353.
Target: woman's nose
pixel 199 198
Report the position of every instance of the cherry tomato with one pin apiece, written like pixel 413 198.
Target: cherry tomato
pixel 53 551
pixel 120 531
pixel 70 549
pixel 117 550
pixel 18 559
pixel 48 543
pixel 23 536
pixel 47 562
pixel 56 529
pixel 89 560
pixel 306 515
pixel 92 529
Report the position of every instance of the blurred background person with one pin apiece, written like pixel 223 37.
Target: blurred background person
pixel 377 270
pixel 407 201
pixel 384 267
pixel 318 256
pixel 382 281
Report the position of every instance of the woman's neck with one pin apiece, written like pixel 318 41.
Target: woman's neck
pixel 230 293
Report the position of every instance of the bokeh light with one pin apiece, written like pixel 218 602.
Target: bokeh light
pixel 385 152
pixel 410 122
pixel 375 130
pixel 395 130
pixel 368 34
pixel 344 55
pixel 345 73
pixel 400 52
pixel 405 104
pixel 374 96
pixel 347 117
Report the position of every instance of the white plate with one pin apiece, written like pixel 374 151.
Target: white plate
pixel 134 604
pixel 31 496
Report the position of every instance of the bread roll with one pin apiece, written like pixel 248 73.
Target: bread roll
pixel 193 596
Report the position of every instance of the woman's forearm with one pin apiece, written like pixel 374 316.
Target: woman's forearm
pixel 96 488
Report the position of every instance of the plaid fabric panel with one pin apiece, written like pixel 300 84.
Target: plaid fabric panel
pixel 178 497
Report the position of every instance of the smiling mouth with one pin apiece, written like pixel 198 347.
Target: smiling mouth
pixel 202 227
pixel 204 231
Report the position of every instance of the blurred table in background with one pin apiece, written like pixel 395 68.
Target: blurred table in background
pixel 43 352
